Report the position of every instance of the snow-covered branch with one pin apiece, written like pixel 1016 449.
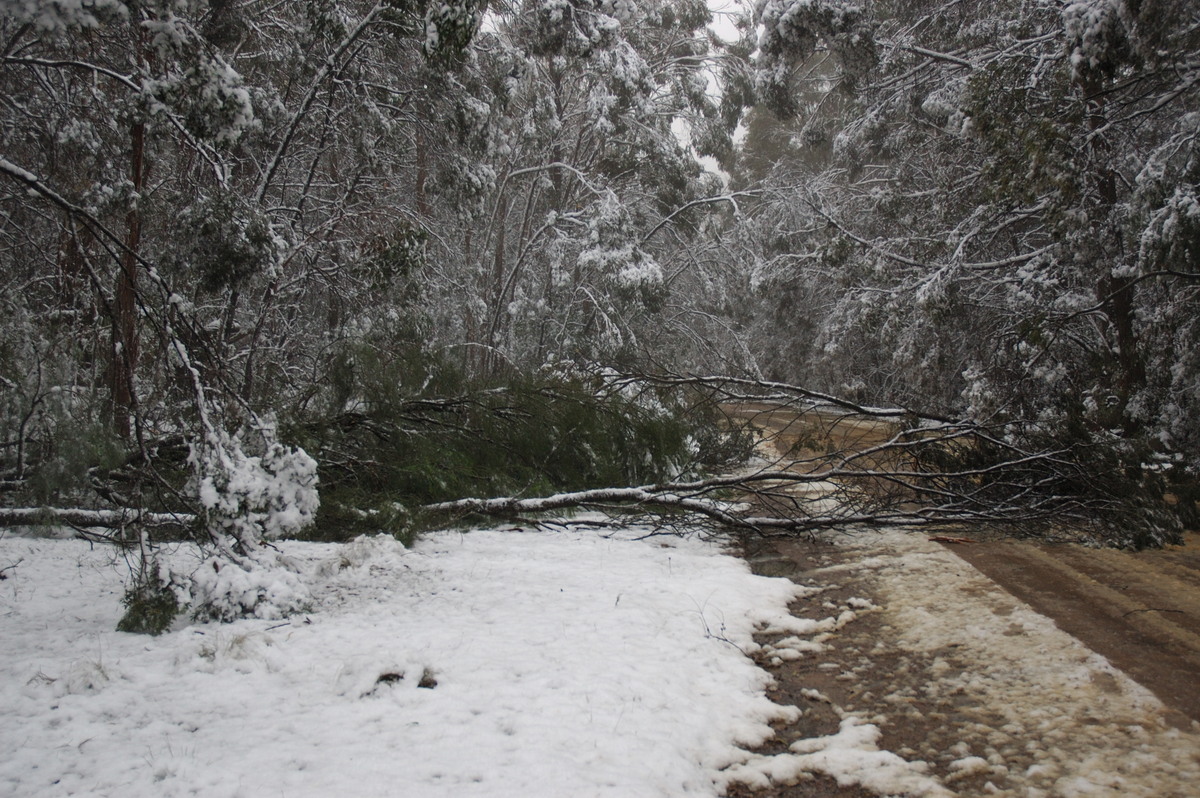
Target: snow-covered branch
pixel 106 519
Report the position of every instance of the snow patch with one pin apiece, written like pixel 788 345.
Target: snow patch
pixel 851 756
pixel 481 664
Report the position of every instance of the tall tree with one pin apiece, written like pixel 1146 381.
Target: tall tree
pixel 194 183
pixel 989 224
pixel 576 112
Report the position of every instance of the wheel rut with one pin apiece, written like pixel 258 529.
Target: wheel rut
pixel 1140 610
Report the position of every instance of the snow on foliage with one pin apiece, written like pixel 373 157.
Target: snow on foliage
pixel 212 98
pixel 800 24
pixel 945 105
pixel 255 497
pixel 575 27
pixel 1168 204
pixel 1171 239
pixel 791 31
pixel 448 28
pixel 614 253
pixel 1098 35
pixel 58 16
pixel 227 588
pixel 247 500
pixel 621 10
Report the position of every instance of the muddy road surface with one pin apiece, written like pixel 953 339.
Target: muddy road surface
pixel 1007 667
pixel 981 691
pixel 1141 610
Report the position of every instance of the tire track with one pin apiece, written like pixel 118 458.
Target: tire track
pixel 1139 610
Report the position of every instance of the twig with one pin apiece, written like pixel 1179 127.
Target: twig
pixel 9 568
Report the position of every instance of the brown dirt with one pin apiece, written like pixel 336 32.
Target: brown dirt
pixel 1140 610
pixel 870 667
pixel 1097 596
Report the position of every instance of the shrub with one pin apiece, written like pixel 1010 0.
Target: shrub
pixel 150 607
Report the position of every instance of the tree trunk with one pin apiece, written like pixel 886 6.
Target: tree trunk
pixel 1117 294
pixel 125 332
pixel 422 175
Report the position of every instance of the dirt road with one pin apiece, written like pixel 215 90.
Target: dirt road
pixel 1140 610
pixel 991 692
pixel 1008 667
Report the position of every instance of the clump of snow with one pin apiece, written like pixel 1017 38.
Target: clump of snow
pixel 225 588
pixel 791 648
pixel 851 756
pixel 1098 34
pixel 274 493
pixel 969 766
pixel 804 635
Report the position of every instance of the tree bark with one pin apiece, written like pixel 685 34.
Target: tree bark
pixel 125 332
pixel 422 174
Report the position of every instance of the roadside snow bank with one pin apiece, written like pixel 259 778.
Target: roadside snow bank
pixel 485 664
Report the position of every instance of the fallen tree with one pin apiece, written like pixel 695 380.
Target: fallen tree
pixel 810 462
pixel 822 461
pixel 113 520
pixel 819 461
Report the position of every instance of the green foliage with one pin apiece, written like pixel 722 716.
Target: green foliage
pixel 348 511
pixel 150 607
pixel 1133 509
pixel 1026 133
pixel 392 262
pixel 455 24
pixel 226 242
pixel 65 460
pixel 397 436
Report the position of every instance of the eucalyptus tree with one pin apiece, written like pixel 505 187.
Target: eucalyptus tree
pixel 223 212
pixel 1003 206
pixel 199 200
pixel 983 208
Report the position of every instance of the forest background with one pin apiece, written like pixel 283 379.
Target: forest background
pixel 305 268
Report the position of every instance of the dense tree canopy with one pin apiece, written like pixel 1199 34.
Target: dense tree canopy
pixel 254 247
pixel 994 216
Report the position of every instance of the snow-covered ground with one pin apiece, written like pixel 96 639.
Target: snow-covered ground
pixel 580 663
pixel 491 663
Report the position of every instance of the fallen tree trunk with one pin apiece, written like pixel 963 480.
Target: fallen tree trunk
pixel 649 498
pixel 808 501
pixel 103 519
pixel 827 462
